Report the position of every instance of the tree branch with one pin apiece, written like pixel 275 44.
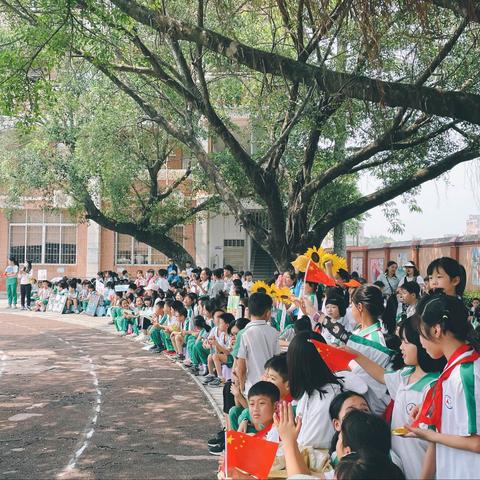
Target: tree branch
pixel 365 203
pixel 460 105
pixel 469 9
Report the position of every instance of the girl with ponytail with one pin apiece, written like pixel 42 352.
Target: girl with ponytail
pixel 374 337
pixel 452 405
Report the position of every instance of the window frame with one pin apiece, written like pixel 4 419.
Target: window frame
pixel 25 224
pixel 149 250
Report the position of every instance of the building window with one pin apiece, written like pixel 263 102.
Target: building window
pixel 129 251
pixel 234 243
pixel 43 237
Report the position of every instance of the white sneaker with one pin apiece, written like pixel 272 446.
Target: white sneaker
pixel 140 337
pixel 14 307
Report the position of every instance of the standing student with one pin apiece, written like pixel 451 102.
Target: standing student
pixel 11 272
pixel 452 406
pixel 258 343
pixel 447 274
pixel 25 277
pixel 389 279
pixel 313 386
pixel 408 388
pixel 374 337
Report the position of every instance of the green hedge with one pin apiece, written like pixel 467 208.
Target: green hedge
pixel 469 294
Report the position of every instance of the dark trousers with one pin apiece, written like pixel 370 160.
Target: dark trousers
pixel 25 293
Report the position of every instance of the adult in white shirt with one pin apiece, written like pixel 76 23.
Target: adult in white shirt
pixel 412 274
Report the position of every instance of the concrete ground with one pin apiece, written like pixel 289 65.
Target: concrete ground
pixel 77 401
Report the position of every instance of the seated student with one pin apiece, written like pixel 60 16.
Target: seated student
pixel 263 397
pixel 199 354
pixel 71 305
pixel 144 318
pixel 258 342
pixel 43 297
pixel 221 347
pixel 125 319
pixel 177 325
pixel 137 310
pixel 375 467
pixel 409 293
pixel 158 318
pixel 361 433
pixel 342 404
pixel 276 371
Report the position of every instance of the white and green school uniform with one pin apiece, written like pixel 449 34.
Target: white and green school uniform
pixel 281 319
pixel 460 416
pixel 411 451
pixel 371 343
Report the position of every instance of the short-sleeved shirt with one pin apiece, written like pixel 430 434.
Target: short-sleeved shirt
pixel 258 343
pixel 460 416
pixel 411 451
pixel 236 347
pixel 371 343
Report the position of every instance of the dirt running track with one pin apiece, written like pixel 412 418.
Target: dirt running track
pixel 79 403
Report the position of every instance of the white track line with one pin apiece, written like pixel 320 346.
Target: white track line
pixel 92 423
pixel 90 428
pixel 3 362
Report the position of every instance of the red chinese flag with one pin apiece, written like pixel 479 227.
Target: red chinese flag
pixel 315 274
pixel 252 455
pixel 335 358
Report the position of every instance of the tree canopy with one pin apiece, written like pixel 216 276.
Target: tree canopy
pixel 393 84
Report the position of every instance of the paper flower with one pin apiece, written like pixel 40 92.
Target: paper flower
pixel 315 254
pixel 283 295
pixel 336 261
pixel 300 263
pixel 261 287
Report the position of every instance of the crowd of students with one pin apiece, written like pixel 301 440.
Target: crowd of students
pixel 408 406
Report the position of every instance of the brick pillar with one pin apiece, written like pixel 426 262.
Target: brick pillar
pixel 415 250
pixel 455 250
pixel 386 254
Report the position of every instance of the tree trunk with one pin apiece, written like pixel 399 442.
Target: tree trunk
pixel 339 240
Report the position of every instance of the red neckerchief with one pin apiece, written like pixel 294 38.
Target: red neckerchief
pixel 287 398
pixel 264 431
pixel 431 411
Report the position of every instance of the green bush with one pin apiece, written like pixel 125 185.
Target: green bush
pixel 468 295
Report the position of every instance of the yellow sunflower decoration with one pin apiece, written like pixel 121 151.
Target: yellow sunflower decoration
pixel 314 254
pixel 300 263
pixel 261 287
pixel 283 295
pixel 336 261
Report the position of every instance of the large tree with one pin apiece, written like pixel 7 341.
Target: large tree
pixel 94 146
pixel 407 83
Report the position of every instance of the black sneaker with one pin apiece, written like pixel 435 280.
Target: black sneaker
pixel 154 349
pixel 217 440
pixel 216 450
